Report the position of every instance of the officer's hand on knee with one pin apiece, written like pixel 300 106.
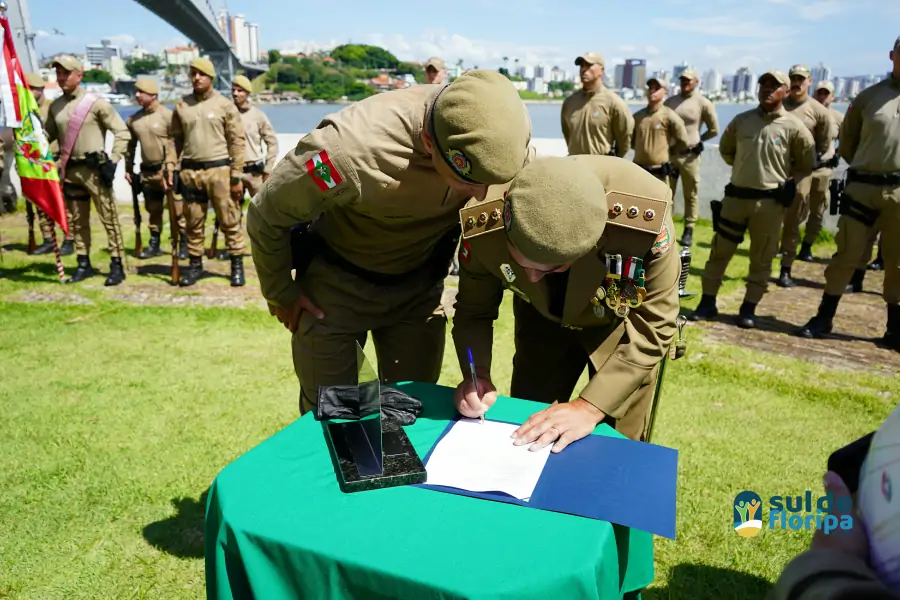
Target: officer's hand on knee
pixel 560 425
pixel 474 403
pixel 289 316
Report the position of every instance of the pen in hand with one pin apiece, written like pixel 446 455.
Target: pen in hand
pixel 474 378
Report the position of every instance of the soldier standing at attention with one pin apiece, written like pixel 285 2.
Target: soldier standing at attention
pixel 257 129
pixel 150 127
pixel 80 121
pixel 37 84
pixel 694 109
pixel 817 119
pixel 435 70
pixel 657 131
pixel 595 120
pixel 768 150
pixel 585 246
pixel 209 141
pixel 376 191
pixel 870 143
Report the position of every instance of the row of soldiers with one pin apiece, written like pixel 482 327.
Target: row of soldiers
pixel 780 179
pixel 208 149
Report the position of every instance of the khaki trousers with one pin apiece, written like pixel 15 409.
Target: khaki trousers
pixel 795 216
pixel 688 168
pixel 155 202
pixel 46 223
pixel 407 322
pixel 82 186
pixel 198 189
pixel 549 360
pixel 818 203
pixel 762 219
pixel 855 238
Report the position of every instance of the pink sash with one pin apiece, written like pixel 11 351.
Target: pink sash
pixel 74 126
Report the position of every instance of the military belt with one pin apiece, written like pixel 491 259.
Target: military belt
pixel 150 168
pixel 887 179
pixel 255 167
pixel 664 169
pixel 202 165
pixel 849 207
pixel 783 194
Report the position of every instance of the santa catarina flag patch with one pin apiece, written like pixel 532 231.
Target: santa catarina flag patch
pixel 323 172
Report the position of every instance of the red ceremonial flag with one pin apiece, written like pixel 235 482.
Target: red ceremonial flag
pixel 19 110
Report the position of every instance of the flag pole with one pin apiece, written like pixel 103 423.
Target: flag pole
pixel 59 265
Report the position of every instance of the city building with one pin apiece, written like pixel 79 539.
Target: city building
pixel 539 72
pixel 743 84
pixel 138 53
pixel 820 73
pixel 635 74
pixel 677 70
pixel 179 56
pixel 537 85
pixel 243 36
pixel 712 82
pixel 97 54
pixel 619 77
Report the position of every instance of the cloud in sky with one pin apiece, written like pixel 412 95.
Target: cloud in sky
pixel 725 26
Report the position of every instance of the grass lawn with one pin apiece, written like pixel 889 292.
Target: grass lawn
pixel 117 417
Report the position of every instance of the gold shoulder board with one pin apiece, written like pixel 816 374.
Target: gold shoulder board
pixel 478 218
pixel 636 212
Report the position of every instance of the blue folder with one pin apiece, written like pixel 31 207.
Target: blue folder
pixel 629 483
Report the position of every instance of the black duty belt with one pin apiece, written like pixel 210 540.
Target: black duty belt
pixel 202 165
pixel 664 169
pixel 151 168
pixel 886 179
pixel 255 167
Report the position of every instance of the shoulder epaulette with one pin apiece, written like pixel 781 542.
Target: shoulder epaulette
pixel 636 212
pixel 478 218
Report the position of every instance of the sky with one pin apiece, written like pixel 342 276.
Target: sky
pixel 853 37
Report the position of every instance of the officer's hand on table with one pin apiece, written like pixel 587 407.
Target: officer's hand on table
pixel 471 404
pixel 560 423
pixel 853 541
pixel 289 316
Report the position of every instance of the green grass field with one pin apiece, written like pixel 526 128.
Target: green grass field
pixel 117 417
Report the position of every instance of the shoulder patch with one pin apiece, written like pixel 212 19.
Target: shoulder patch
pixel 663 241
pixel 479 218
pixel 323 171
pixel 637 212
pixel 464 251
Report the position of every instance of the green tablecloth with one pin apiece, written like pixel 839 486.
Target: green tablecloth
pixel 278 526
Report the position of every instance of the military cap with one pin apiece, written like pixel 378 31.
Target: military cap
pixel 436 63
pixel 68 62
pixel 688 74
pixel 481 128
pixel 779 76
pixel 146 85
pixel 662 81
pixel 555 211
pixel 799 70
pixel 243 83
pixel 592 58
pixel 35 81
pixel 825 85
pixel 204 65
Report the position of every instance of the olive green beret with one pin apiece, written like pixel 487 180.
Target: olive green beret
pixel 555 211
pixel 35 81
pixel 148 86
pixel 243 83
pixel 204 65
pixel 481 127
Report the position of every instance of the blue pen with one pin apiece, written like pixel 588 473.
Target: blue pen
pixel 474 378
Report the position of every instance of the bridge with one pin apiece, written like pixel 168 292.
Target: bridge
pixel 196 20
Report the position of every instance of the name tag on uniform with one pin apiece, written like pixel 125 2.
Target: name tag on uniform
pixel 508 273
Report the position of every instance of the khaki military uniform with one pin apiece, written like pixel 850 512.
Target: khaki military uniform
pixel 821 125
pixel 764 151
pixel 209 139
pixel 257 129
pixel 655 133
pixel 150 127
pixel 594 121
pixel 46 223
pixel 82 183
pixel 694 109
pixel 819 192
pixel 820 574
pixel 386 226
pixel 558 328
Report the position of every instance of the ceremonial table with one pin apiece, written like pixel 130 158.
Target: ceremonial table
pixel 279 527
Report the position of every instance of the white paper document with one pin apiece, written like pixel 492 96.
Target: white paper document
pixel 481 457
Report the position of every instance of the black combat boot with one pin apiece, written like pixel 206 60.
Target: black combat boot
pixel 878 263
pixel 746 318
pixel 190 275
pixel 116 272
pixel 67 248
pixel 784 280
pixel 153 249
pixel 82 271
pixel 822 323
pixel 805 252
pixel 891 337
pixel 706 310
pixel 182 247
pixel 45 248
pixel 687 237
pixel 237 270
pixel 856 282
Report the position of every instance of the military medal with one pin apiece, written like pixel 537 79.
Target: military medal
pixel 633 290
pixel 599 310
pixel 613 276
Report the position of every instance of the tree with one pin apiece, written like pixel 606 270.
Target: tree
pixel 97 76
pixel 562 86
pixel 274 56
pixel 415 70
pixel 143 66
pixel 363 56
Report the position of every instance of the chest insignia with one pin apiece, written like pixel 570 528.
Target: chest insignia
pixel 596 113
pixel 623 288
pixel 508 273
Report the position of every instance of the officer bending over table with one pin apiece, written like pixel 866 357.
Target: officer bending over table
pixel 584 243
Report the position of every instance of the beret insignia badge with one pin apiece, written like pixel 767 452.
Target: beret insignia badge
pixel 459 162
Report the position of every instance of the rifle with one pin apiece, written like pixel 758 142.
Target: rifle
pixel 135 191
pixel 29 211
pixel 215 238
pixel 173 228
